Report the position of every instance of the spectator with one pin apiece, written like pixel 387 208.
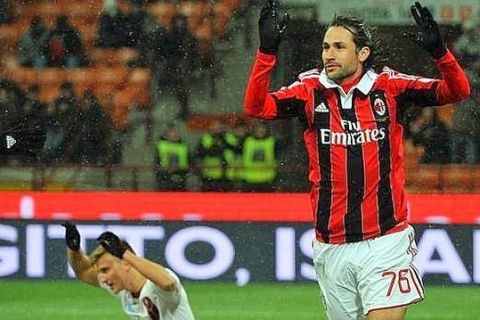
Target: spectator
pixel 467 46
pixel 465 130
pixel 259 159
pixel 33 45
pixel 115 143
pixel 172 161
pixel 11 101
pixel 211 156
pixel 59 115
pixel 33 114
pixel 109 24
pixel 235 141
pixel 21 120
pixel 430 132
pixel 8 112
pixel 175 56
pixel 6 12
pixel 134 27
pixel 65 45
pixel 89 133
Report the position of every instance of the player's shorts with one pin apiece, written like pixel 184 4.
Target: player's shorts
pixel 356 278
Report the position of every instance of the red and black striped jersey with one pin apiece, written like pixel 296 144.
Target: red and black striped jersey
pixel 354 140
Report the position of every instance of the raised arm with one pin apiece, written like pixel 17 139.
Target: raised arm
pixel 81 264
pixel 258 102
pixel 149 269
pixel 454 85
pixel 152 271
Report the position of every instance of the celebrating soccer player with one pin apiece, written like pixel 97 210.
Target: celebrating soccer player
pixel 364 247
pixel 147 290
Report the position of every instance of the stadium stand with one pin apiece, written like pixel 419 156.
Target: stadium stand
pixel 123 88
pixel 109 67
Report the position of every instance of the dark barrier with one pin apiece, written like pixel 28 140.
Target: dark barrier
pixel 239 252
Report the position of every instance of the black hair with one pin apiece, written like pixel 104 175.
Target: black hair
pixel 362 37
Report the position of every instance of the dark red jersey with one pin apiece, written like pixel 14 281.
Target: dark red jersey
pixel 354 140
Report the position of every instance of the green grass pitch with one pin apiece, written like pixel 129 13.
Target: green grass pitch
pixel 42 300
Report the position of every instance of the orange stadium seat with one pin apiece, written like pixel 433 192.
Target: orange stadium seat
pixel 163 13
pixel 122 102
pixel 48 92
pixel 51 76
pixel 103 57
pixel 88 34
pixel 232 5
pixel 476 179
pixel 48 8
pixel 457 178
pixel 112 57
pixel 9 62
pixel 413 155
pixel 79 22
pixel 29 11
pixel 140 76
pixel 222 16
pixel 10 35
pixel 124 5
pixel 82 79
pixel 90 8
pixel 138 86
pixel 111 75
pixel 125 55
pixel 204 33
pixel 25 77
pixel 104 92
pixel 425 179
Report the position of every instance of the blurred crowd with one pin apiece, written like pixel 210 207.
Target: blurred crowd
pixel 78 130
pixel 173 39
pixel 240 158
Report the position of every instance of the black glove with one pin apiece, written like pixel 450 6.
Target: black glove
pixel 20 137
pixel 72 237
pixel 112 243
pixel 270 27
pixel 428 37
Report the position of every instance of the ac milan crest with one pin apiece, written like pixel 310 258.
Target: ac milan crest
pixel 380 107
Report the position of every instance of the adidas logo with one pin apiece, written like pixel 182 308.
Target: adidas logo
pixel 321 108
pixel 10 141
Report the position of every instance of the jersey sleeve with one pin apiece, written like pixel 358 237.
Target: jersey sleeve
pixel 171 297
pixel 262 104
pixel 452 87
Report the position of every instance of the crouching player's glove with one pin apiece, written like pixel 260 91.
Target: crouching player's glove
pixel 428 36
pixel 72 236
pixel 271 27
pixel 112 243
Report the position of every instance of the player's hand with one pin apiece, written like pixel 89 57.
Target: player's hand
pixel 271 27
pixel 112 243
pixel 20 137
pixel 72 236
pixel 428 36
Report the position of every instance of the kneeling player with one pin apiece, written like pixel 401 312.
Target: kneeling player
pixel 146 289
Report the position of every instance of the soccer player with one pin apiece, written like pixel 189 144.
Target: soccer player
pixel 364 247
pixel 147 290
